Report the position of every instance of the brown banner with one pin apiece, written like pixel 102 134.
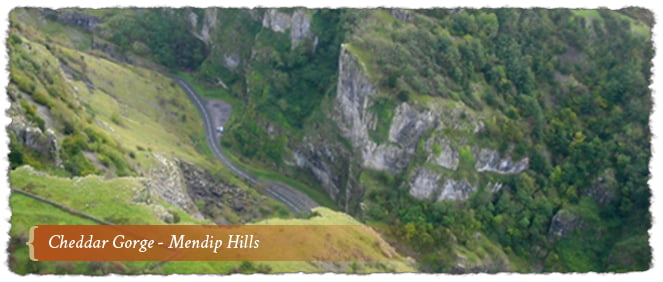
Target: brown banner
pixel 197 243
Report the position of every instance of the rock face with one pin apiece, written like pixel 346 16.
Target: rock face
pixel 355 94
pixel 411 123
pixel 353 97
pixel 490 160
pixel 384 157
pixel 208 23
pixel 604 188
pixel 163 214
pixel 334 167
pixel 231 60
pixel 276 20
pixel 456 190
pixel 320 161
pixel 218 197
pixel 401 14
pixel 83 21
pixel 408 125
pixel 299 24
pixel 563 224
pixel 300 27
pixel 167 182
pixel 44 143
pixel 197 192
pixel 424 183
pixel 448 156
pixel 330 162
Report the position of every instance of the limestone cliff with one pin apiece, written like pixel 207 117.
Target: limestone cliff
pixel 445 129
pixel 299 24
pixel 202 30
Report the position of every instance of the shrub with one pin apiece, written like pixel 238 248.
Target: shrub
pixel 23 82
pixel 116 119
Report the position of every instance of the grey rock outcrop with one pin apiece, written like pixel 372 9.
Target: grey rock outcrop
pixel 163 214
pixel 353 93
pixel 603 190
pixel 84 21
pixel 166 181
pixel 384 157
pixel 276 21
pixel 448 156
pixel 299 24
pixel 409 124
pixel 319 161
pixel 44 143
pixel 232 60
pixel 300 27
pixel 456 190
pixel 411 121
pixel 494 187
pixel 208 23
pixel 218 197
pixel 333 166
pixel 490 160
pixel 564 223
pixel 424 183
pixel 354 96
pixel 401 14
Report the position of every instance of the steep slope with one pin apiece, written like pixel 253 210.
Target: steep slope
pixel 101 117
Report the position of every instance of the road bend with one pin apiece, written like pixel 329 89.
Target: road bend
pixel 294 199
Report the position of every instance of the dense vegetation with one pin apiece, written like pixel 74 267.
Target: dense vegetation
pixel 566 88
pixel 158 34
pixel 286 86
pixel 569 85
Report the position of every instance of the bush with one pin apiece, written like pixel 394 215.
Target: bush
pixel 31 114
pixel 23 83
pixel 117 119
pixel 41 96
pixel 404 96
pixel 466 158
pixel 78 165
pixel 15 151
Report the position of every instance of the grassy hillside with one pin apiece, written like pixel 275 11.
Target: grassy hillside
pixel 109 118
pixel 118 201
pixel 115 200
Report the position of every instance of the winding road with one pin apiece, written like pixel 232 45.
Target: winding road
pixel 297 201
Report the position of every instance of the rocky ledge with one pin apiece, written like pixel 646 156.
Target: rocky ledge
pixel 217 199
